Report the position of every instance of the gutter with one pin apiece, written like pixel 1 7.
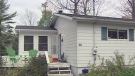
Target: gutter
pixel 103 20
pixel 33 30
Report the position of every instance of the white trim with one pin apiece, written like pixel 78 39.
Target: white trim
pixel 33 30
pixel 103 20
pixel 64 16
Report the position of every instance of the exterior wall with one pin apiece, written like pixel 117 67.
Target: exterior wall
pixel 35 35
pixel 74 70
pixel 69 45
pixel 106 49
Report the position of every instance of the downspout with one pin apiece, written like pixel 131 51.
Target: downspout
pixel 94 49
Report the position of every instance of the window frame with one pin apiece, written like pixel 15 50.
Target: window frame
pixel 117 34
pixel 29 43
pixel 43 43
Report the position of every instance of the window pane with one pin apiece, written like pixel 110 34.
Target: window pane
pixel 43 39
pixel 112 33
pixel 122 34
pixel 28 47
pixel 43 43
pixel 28 39
pixel 43 47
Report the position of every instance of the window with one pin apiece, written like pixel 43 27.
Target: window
pixel 122 34
pixel 117 34
pixel 28 43
pixel 112 34
pixel 43 43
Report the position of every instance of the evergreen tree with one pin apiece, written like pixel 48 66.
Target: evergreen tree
pixel 6 33
pixel 46 17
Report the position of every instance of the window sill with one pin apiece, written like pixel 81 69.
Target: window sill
pixel 118 39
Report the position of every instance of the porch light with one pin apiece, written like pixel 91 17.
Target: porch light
pixel 62 35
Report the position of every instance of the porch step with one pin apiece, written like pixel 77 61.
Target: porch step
pixel 60 74
pixel 59 69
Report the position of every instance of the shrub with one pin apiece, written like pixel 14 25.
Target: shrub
pixel 114 67
pixel 37 67
pixel 1 61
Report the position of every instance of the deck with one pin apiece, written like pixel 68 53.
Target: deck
pixel 20 63
pixel 54 69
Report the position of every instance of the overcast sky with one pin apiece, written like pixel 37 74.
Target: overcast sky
pixel 19 6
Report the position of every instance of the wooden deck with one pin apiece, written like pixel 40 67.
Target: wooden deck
pixel 55 69
pixel 8 63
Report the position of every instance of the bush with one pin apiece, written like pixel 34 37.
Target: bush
pixel 1 61
pixel 37 67
pixel 114 67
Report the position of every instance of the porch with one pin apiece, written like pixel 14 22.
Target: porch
pixel 20 62
pixel 54 69
pixel 40 40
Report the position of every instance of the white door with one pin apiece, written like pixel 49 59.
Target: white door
pixel 54 43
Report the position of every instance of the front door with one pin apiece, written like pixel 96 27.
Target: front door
pixel 54 43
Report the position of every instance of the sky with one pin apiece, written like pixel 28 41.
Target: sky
pixel 20 6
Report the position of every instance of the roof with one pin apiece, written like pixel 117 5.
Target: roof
pixel 98 17
pixel 90 18
pixel 34 28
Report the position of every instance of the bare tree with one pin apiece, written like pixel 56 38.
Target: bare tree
pixel 29 18
pixel 71 5
pixel 127 8
pixel 82 6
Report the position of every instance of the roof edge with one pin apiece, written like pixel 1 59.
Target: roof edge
pixel 55 16
pixel 103 20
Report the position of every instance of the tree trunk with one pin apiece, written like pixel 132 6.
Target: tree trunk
pixel 133 9
pixel 0 29
pixel 0 33
pixel 75 7
pixel 85 11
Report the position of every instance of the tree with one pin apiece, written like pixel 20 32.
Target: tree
pixel 71 5
pixel 6 38
pixel 127 8
pixel 5 18
pixel 29 18
pixel 46 17
pixel 84 7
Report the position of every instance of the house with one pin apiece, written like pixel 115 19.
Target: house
pixel 81 38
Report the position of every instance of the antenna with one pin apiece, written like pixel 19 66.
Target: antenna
pixel 93 7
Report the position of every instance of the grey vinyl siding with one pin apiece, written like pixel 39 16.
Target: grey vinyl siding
pixel 69 45
pixel 106 48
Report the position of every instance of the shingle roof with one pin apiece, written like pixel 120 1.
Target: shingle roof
pixel 35 27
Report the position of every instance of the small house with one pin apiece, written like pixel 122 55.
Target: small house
pixel 82 38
